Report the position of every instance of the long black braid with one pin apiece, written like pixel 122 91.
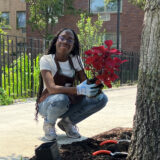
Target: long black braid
pixel 52 50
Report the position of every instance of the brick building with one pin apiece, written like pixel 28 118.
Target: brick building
pixel 131 20
pixel 14 13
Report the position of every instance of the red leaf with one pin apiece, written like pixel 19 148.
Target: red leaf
pixel 99 50
pixel 108 84
pixel 100 77
pixel 98 82
pixel 115 51
pixel 102 65
pixel 89 60
pixel 88 52
pixel 117 60
pixel 108 43
pixel 124 61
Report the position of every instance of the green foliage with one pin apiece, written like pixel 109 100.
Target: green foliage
pixel 18 76
pixel 1 31
pixel 116 83
pixel 3 24
pixel 4 98
pixel 107 1
pixel 90 33
pixel 44 14
pixel 139 3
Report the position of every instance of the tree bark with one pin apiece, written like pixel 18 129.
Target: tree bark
pixel 145 143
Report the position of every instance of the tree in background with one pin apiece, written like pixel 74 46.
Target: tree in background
pixel 44 14
pixel 90 33
pixel 145 143
pixel 2 24
pixel 139 3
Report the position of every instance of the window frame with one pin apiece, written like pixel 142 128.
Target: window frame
pixel 6 25
pixel 17 24
pixel 105 10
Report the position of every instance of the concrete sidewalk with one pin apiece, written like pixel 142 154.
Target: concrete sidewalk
pixel 20 133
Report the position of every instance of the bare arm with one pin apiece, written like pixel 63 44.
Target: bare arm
pixel 52 87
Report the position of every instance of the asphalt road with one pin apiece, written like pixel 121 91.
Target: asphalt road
pixel 20 134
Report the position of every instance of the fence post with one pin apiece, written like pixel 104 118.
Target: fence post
pixel 0 63
pixel 32 70
pixel 44 45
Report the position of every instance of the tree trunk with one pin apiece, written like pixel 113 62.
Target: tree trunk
pixel 145 143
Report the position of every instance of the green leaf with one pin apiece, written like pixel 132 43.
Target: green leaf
pixel 43 13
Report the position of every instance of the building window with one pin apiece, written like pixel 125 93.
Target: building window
pixel 113 37
pixel 99 6
pixel 4 17
pixel 21 19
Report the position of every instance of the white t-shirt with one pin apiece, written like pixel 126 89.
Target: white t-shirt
pixel 47 62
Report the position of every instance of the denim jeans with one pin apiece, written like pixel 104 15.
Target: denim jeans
pixel 58 106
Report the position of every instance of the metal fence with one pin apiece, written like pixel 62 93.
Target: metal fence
pixel 19 65
pixel 129 70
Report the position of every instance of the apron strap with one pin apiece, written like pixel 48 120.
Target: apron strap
pixel 57 64
pixel 71 63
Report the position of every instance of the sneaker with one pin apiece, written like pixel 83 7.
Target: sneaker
pixel 70 129
pixel 49 130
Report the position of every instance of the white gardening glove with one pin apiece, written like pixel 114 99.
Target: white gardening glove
pixel 87 89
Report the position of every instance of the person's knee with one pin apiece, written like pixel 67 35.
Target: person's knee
pixel 105 99
pixel 60 101
pixel 102 101
pixel 58 106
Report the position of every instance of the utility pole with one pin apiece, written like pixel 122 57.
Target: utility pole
pixel 118 21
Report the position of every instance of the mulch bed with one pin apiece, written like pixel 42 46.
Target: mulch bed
pixel 83 150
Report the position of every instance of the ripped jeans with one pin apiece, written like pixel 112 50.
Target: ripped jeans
pixel 58 106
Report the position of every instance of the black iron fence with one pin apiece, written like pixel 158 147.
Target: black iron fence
pixel 19 65
pixel 129 70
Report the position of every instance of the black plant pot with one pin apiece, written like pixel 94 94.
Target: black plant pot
pixel 47 151
pixel 100 86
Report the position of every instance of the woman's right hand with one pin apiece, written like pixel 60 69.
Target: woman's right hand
pixel 89 90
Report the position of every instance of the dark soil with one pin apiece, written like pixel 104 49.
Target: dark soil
pixel 83 150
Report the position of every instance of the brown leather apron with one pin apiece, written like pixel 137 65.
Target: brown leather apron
pixel 63 80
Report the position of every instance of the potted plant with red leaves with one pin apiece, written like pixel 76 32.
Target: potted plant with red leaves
pixel 102 64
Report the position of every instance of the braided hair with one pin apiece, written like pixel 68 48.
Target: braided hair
pixel 52 50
